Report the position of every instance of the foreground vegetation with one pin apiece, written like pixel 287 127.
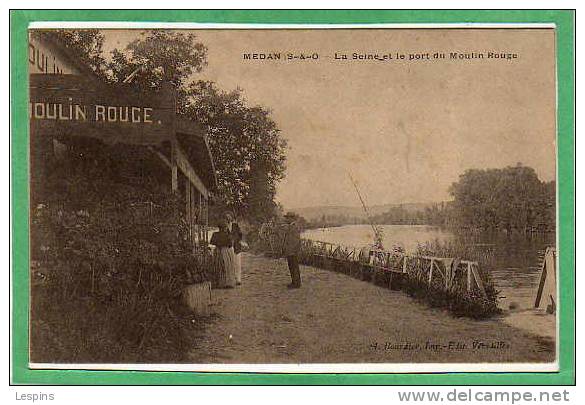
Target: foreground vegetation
pixel 109 260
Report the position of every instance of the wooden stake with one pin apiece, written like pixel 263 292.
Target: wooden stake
pixel 447 276
pixel 548 266
pixel 478 281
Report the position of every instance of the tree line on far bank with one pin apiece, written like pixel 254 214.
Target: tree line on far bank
pixel 512 199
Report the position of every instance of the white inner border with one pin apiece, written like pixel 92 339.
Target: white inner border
pixel 315 367
pixel 353 368
pixel 182 25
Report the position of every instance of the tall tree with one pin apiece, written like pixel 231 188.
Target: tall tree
pixel 85 44
pixel 160 56
pixel 247 146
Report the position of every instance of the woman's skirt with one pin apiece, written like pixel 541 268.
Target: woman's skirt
pixel 225 268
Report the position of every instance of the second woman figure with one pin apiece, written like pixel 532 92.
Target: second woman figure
pixel 225 257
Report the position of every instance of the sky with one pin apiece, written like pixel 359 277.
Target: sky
pixel 404 129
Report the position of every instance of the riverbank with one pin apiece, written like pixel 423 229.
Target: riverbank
pixel 334 318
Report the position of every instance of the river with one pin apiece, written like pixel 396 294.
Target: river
pixel 515 259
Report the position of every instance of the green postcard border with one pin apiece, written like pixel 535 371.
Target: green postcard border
pixel 19 20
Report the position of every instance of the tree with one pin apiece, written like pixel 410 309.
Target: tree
pixel 85 44
pixel 259 202
pixel 161 56
pixel 248 149
pixel 512 198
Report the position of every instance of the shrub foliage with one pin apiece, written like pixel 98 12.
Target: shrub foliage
pixel 109 260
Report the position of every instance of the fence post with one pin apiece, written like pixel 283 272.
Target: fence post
pixel 404 264
pixel 478 281
pixel 468 276
pixel 431 272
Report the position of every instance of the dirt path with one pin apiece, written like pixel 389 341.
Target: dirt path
pixel 334 318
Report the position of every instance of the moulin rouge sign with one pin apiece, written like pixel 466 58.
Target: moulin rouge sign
pixel 75 106
pixel 77 112
pixel 66 101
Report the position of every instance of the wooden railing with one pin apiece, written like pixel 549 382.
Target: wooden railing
pixel 447 271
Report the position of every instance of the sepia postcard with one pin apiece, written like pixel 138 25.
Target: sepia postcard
pixel 293 198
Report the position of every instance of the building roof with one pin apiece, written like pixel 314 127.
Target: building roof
pixel 193 139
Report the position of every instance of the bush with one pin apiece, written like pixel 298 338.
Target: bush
pixel 458 302
pixel 109 261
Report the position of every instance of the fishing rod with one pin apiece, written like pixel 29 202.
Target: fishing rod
pixel 377 231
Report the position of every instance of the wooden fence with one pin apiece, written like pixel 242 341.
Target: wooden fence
pixel 374 264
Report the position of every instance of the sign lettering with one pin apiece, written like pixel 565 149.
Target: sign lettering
pixel 42 59
pixel 73 105
pixel 97 113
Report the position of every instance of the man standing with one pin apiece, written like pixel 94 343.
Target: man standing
pixel 291 249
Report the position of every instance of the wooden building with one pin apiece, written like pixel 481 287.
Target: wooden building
pixel 68 100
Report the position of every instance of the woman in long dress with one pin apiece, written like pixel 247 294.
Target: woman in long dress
pixel 224 257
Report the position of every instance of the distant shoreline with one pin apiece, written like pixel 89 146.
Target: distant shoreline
pixel 449 228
